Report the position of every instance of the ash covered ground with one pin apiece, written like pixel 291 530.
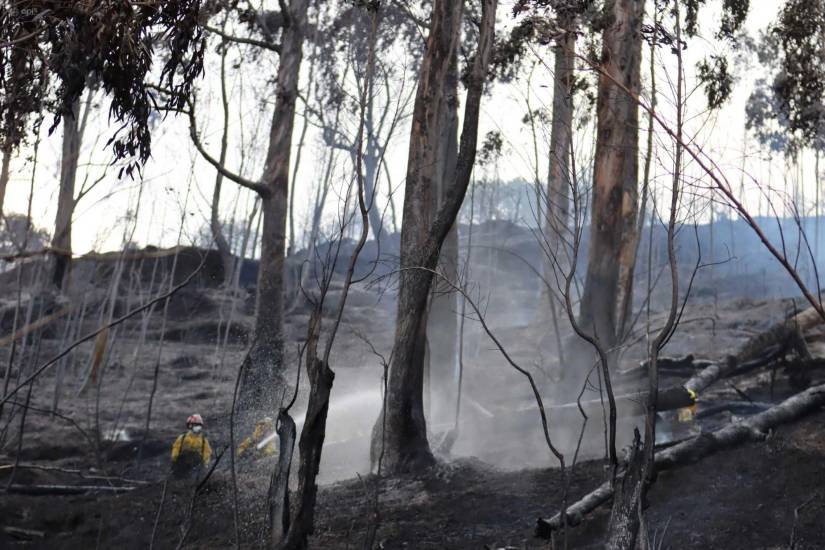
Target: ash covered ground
pixel 499 476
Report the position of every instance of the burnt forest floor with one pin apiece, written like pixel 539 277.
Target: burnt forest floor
pixel 743 498
pixel 488 496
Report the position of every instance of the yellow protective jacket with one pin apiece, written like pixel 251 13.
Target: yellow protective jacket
pixel 193 443
pixel 250 444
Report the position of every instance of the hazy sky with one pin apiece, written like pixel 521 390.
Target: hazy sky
pixel 170 181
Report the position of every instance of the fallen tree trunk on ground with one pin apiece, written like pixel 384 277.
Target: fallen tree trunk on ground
pixel 761 350
pixel 676 366
pixel 34 325
pixel 694 449
pixel 667 400
pixel 786 334
pixel 49 490
pixel 716 371
pixel 23 534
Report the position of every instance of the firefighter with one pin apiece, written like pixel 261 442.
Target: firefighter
pixel 191 451
pixel 249 447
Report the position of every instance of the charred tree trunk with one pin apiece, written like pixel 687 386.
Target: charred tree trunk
pixel 404 444
pixel 310 446
pixel 227 259
pixel 62 238
pixel 623 528
pixel 372 157
pixel 278 498
pixel 613 225
pixel 442 323
pixel 263 382
pixel 319 373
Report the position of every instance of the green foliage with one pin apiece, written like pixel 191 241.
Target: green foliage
pixel 540 22
pixel 718 82
pixel 734 14
pixel 111 43
pixel 691 15
pixel 800 83
pixel 491 148
pixel 509 52
pixel 714 72
pixel 787 110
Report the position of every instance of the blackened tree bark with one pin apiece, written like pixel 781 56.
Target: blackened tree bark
pixel 442 323
pixel 404 443
pixel 263 382
pixel 62 238
pixel 615 186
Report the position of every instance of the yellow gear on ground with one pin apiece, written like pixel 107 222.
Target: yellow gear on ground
pixel 250 444
pixel 686 414
pixel 194 443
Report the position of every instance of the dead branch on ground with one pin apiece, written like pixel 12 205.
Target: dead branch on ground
pixel 695 449
pixel 94 333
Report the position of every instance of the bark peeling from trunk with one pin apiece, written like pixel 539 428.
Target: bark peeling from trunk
pixel 615 173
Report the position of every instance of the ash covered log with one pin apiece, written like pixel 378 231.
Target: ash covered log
pixel 786 334
pixel 697 448
pixel 668 399
pixel 761 350
pixel 49 490
pixel 23 534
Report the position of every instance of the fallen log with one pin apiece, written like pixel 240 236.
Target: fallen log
pixel 676 366
pixel 50 490
pixel 76 472
pixel 34 325
pixel 696 448
pixel 760 350
pixel 786 334
pixel 668 399
pixel 23 534
pixel 627 405
pixel 744 408
pixel 711 371
pixel 730 367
